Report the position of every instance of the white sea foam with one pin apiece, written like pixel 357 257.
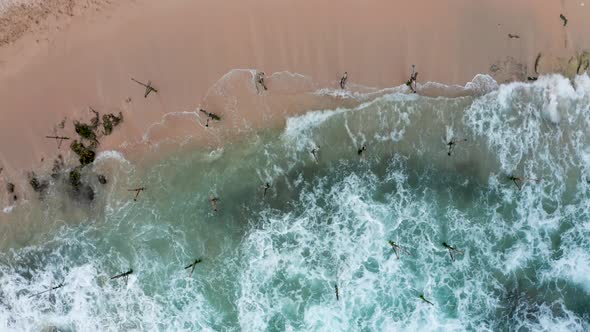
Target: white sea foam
pixel 573 266
pixel 8 209
pixel 111 154
pixel 272 263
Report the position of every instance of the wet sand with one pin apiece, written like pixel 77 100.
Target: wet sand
pixel 70 62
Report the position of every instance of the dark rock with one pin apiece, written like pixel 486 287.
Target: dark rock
pixel 58 165
pixel 86 154
pixel 109 121
pixel 75 177
pixel 102 179
pixel 10 187
pixel 38 185
pixel 85 131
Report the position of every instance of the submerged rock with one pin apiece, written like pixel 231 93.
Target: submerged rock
pixel 86 154
pixel 109 121
pixel 102 179
pixel 85 131
pixel 75 177
pixel 58 165
pixel 80 190
pixel 10 187
pixel 39 186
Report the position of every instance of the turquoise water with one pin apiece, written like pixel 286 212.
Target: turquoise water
pixel 270 263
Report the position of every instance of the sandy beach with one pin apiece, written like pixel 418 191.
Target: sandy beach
pixel 81 54
pixel 216 174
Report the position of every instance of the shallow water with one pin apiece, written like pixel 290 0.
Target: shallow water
pixel 270 263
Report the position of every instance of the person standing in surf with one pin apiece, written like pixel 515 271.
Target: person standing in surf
pixel 453 251
pixel 265 187
pixel 214 200
pixel 343 81
pixel 259 81
pixel 412 82
pixel 314 152
pixel 361 150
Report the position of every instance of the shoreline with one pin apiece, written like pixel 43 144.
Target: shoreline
pixel 93 55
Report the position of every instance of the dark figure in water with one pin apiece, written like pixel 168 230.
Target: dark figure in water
pixel 453 143
pixel 265 187
pixel 193 265
pixel 343 80
pixel 137 191
pixel 425 300
pixel 337 295
pixel 214 201
pixel 411 83
pixel 398 249
pixel 519 181
pixel 563 19
pixel 50 289
pixel 259 78
pixel 123 275
pixel 102 179
pixel 314 152
pixel 532 78
pixel 511 36
pixel 452 251
pixel 361 150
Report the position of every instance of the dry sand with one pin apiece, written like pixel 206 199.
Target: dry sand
pixel 58 59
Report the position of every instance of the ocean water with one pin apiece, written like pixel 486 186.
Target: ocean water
pixel 271 263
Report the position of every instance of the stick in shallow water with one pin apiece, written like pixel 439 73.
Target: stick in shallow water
pixel 337 295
